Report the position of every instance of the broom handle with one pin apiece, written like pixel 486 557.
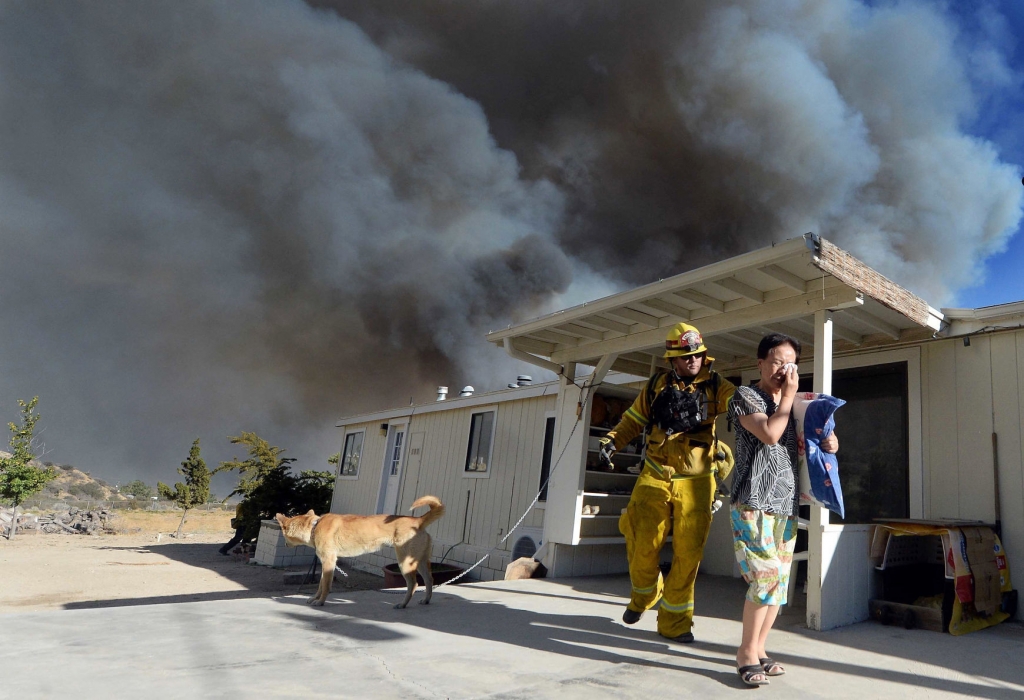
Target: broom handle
pixel 995 481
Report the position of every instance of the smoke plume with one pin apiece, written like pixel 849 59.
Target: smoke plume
pixel 685 132
pixel 222 216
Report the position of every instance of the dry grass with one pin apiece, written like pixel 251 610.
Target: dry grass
pixel 197 522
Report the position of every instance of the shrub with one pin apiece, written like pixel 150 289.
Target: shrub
pixel 88 490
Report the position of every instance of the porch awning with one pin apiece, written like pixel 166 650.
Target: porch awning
pixel 734 303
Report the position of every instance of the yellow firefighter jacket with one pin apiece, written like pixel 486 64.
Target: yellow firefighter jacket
pixel 688 454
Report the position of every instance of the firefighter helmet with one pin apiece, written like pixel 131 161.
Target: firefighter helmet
pixel 683 340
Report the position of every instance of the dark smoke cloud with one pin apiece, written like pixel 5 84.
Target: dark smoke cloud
pixel 684 132
pixel 222 216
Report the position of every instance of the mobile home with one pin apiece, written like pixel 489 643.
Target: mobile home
pixel 933 426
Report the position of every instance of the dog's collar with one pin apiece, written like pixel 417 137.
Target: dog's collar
pixel 313 527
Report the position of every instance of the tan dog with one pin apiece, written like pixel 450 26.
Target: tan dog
pixel 334 536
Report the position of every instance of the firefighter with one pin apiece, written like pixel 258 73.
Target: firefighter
pixel 676 491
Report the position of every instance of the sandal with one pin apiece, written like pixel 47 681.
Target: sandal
pixel 771 666
pixel 747 674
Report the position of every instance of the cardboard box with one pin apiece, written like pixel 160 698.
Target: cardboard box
pixel 981 557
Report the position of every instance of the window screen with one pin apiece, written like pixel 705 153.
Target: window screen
pixel 874 457
pixel 480 429
pixel 350 455
pixel 545 462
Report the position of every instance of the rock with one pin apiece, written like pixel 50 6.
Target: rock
pixel 525 567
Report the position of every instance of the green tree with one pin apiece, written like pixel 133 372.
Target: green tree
pixel 264 482
pixel 139 489
pixel 196 488
pixel 314 489
pixel 19 477
pixel 267 485
pixel 334 458
pixel 264 459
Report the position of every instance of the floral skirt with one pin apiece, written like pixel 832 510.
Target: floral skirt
pixel 764 544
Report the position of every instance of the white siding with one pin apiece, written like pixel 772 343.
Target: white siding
pixel 359 495
pixel 492 504
pixel 969 393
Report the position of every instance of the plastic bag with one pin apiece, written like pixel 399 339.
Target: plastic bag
pixel 819 471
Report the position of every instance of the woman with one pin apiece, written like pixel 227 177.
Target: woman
pixel 764 497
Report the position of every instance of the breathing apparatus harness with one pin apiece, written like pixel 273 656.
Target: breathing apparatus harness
pixel 678 412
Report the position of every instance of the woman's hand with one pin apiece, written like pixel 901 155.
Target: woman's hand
pixel 830 444
pixel 790 381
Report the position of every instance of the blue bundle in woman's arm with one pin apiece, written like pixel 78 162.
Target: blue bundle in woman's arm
pixel 819 470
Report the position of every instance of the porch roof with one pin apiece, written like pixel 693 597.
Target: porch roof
pixel 734 303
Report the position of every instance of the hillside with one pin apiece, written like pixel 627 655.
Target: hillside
pixel 73 484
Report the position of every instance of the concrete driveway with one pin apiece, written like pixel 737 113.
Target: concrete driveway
pixel 523 639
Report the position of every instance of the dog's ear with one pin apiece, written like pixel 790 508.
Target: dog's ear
pixel 311 512
pixel 280 518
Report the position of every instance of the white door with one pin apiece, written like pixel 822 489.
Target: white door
pixel 387 502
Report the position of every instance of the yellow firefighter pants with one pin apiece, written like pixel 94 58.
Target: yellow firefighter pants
pixel 659 506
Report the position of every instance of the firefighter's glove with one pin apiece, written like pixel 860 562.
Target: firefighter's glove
pixel 606 452
pixel 720 495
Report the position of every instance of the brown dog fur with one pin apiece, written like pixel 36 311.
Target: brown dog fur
pixel 334 536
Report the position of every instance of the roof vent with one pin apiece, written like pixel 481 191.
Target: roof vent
pixel 467 391
pixel 442 393
pixel 513 386
pixel 524 380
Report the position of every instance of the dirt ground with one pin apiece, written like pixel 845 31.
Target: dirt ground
pixel 145 566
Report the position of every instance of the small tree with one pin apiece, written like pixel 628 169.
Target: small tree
pixel 196 488
pixel 264 459
pixel 138 489
pixel 264 482
pixel 267 485
pixel 19 478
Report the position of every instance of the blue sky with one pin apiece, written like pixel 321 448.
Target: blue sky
pixel 999 119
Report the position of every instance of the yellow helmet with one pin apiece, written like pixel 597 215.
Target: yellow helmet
pixel 683 340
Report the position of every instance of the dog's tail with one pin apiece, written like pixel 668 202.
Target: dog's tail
pixel 435 512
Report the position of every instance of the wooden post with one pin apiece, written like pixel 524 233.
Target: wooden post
pixel 818 560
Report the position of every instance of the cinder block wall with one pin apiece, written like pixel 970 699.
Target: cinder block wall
pixel 272 550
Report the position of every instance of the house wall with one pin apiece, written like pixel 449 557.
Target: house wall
pixel 967 394
pixel 480 510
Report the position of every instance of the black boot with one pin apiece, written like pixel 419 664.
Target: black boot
pixel 684 638
pixel 631 617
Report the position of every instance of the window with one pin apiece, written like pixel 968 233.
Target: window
pixel 350 455
pixel 545 462
pixel 481 429
pixel 396 454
